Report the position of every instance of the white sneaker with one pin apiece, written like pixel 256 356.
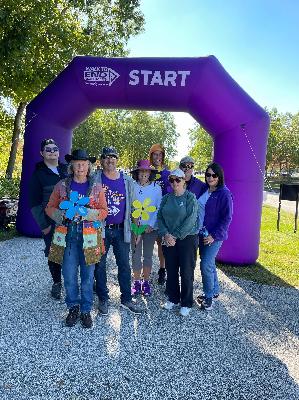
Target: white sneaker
pixel 169 305
pixel 184 311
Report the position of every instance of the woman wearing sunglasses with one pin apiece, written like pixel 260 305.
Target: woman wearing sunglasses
pixel 178 227
pixel 215 214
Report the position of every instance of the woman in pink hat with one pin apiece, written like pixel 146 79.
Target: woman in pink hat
pixel 143 244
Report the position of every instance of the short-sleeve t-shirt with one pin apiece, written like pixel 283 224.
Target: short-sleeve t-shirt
pixel 115 193
pixel 81 188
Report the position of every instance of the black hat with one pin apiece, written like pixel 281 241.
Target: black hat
pixel 109 151
pixel 79 154
pixel 45 142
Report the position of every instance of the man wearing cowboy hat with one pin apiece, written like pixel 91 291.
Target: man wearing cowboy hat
pixel 119 191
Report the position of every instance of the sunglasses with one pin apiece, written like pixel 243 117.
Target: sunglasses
pixel 110 156
pixel 208 175
pixel 187 166
pixel 177 180
pixel 51 149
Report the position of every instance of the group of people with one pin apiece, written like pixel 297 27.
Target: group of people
pixel 83 211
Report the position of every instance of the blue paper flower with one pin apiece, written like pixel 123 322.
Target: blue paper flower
pixel 74 205
pixel 97 224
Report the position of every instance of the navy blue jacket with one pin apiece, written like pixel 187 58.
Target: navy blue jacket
pixel 218 212
pixel 41 186
pixel 195 186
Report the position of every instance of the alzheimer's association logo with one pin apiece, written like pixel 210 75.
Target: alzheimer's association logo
pixel 100 76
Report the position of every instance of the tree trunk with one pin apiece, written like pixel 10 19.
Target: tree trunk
pixel 15 140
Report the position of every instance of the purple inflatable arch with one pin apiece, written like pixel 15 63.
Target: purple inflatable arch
pixel 199 86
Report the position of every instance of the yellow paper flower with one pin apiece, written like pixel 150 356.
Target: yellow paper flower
pixel 142 210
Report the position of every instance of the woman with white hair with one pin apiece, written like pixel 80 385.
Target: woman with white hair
pixel 77 239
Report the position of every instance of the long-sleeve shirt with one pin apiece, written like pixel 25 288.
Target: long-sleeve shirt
pixel 178 215
pixel 153 192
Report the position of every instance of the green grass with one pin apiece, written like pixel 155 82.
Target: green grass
pixel 9 234
pixel 278 262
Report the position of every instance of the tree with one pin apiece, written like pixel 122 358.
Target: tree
pixel 6 125
pixel 283 142
pixel 39 38
pixel 201 147
pixel 131 132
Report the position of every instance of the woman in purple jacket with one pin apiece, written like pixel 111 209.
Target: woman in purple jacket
pixel 215 214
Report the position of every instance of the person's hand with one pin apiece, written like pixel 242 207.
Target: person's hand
pixel 169 239
pixel 149 229
pixel 207 241
pixel 46 230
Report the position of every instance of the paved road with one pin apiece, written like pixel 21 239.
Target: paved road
pixel 272 199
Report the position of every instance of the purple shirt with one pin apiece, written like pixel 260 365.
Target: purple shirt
pixel 163 180
pixel 115 193
pixel 81 188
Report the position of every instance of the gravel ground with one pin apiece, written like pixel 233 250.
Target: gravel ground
pixel 247 347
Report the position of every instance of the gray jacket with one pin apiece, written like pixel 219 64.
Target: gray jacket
pixel 129 186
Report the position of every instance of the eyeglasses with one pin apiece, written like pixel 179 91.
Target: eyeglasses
pixel 208 175
pixel 177 180
pixel 51 149
pixel 110 156
pixel 187 166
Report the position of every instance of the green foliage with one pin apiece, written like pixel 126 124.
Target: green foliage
pixel 39 38
pixel 131 132
pixel 9 187
pixel 202 147
pixel 283 142
pixel 8 234
pixel 6 127
pixel 278 262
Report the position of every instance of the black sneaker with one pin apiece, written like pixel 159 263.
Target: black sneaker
pixel 86 320
pixel 131 306
pixel 162 276
pixel 202 297
pixel 72 317
pixel 56 291
pixel 103 307
pixel 207 304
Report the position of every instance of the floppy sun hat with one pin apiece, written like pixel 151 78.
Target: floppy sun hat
pixel 145 165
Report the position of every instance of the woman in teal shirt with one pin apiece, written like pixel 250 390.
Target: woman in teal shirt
pixel 178 227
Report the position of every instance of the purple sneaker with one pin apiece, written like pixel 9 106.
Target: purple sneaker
pixel 136 288
pixel 146 289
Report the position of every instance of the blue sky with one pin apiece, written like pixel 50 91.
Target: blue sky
pixel 257 42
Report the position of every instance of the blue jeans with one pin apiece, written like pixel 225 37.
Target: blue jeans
pixel 208 267
pixel 115 237
pixel 73 257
